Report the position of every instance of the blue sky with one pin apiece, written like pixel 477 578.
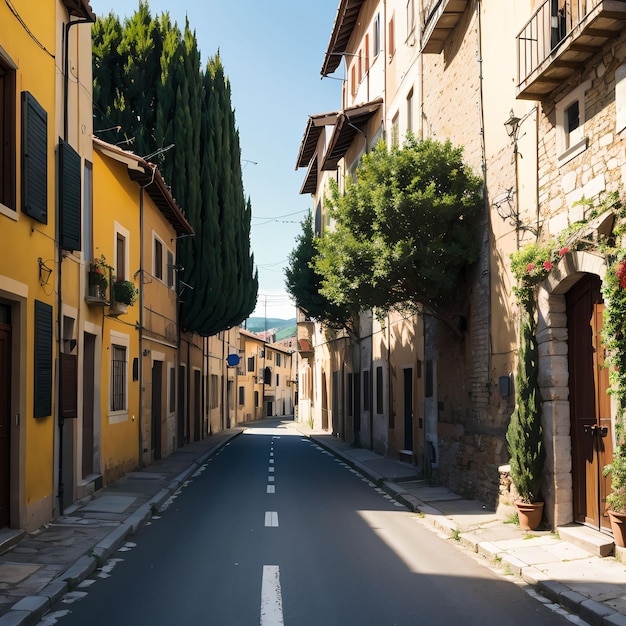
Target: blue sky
pixel 272 53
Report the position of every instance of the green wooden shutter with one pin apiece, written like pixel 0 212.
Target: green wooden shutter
pixel 34 159
pixel 69 385
pixel 43 359
pixel 69 196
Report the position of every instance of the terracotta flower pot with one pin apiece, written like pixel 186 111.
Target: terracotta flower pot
pixel 618 526
pixel 529 515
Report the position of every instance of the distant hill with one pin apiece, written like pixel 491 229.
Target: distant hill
pixel 259 324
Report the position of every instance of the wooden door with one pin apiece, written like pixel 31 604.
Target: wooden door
pixel 157 387
pixel 5 422
pixel 589 403
pixel 408 408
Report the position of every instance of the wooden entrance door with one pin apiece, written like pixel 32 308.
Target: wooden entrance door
pixel 589 403
pixel 157 386
pixel 5 422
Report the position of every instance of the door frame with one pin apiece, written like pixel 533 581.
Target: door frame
pixel 552 343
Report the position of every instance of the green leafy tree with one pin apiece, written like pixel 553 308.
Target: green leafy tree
pixel 303 283
pixel 404 231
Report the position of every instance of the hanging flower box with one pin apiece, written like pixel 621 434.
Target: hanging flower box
pixel 98 281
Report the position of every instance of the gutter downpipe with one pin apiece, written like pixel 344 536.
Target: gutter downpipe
pixel 140 367
pixel 61 421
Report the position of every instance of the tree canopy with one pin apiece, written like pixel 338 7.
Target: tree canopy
pixel 403 231
pixel 151 96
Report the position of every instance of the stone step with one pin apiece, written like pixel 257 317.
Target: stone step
pixel 8 538
pixel 589 539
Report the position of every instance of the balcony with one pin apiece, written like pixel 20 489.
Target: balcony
pixel 560 37
pixel 440 19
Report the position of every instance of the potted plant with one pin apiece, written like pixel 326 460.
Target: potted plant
pixel 616 500
pixel 124 295
pixel 524 434
pixel 614 339
pixel 98 277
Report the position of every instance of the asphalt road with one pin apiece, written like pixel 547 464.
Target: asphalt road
pixel 274 530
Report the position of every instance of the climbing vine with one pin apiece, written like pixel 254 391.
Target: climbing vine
pixel 533 263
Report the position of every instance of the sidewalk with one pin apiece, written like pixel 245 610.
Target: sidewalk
pixel 572 567
pixel 40 567
pixel 565 567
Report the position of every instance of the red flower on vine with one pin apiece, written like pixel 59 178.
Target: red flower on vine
pixel 530 267
pixel 564 250
pixel 547 266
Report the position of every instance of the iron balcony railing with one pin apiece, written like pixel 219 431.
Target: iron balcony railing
pixel 561 36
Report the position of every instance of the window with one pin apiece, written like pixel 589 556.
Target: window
pixel 379 390
pixel 353 80
pixel 277 379
pixel 391 41
pixel 256 399
pixel 242 395
pixel 119 369
pixel 360 66
pixel 410 17
pixel 409 111
pixel 366 390
pixel 572 121
pixel 34 159
pixel 570 124
pixel 377 35
pixel 170 269
pixel 395 130
pixel 367 53
pixel 120 256
pixel 158 259
pixel 7 136
pixel 251 364
pixel 277 359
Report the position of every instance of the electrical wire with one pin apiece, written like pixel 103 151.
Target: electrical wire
pixel 18 17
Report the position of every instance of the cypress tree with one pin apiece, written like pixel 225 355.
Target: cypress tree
pixel 524 435
pixel 160 97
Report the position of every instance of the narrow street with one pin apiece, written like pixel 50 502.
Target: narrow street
pixel 275 530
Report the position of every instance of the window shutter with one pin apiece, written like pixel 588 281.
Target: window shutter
pixel 34 159
pixel 69 386
pixel 69 196
pixel 43 359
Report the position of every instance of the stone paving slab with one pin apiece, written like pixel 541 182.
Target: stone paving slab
pixel 16 572
pixel 110 504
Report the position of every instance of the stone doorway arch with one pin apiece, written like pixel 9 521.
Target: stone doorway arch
pixel 552 343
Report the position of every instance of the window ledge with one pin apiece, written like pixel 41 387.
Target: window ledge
pixel 573 151
pixel 10 213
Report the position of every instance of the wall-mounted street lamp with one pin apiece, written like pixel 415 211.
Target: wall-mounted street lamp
pixel 44 272
pixel 512 130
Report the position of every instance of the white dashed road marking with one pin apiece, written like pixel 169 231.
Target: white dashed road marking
pixel 271 519
pixel 271 598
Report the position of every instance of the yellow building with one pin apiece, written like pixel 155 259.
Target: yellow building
pixel 136 224
pixel 45 129
pixel 249 383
